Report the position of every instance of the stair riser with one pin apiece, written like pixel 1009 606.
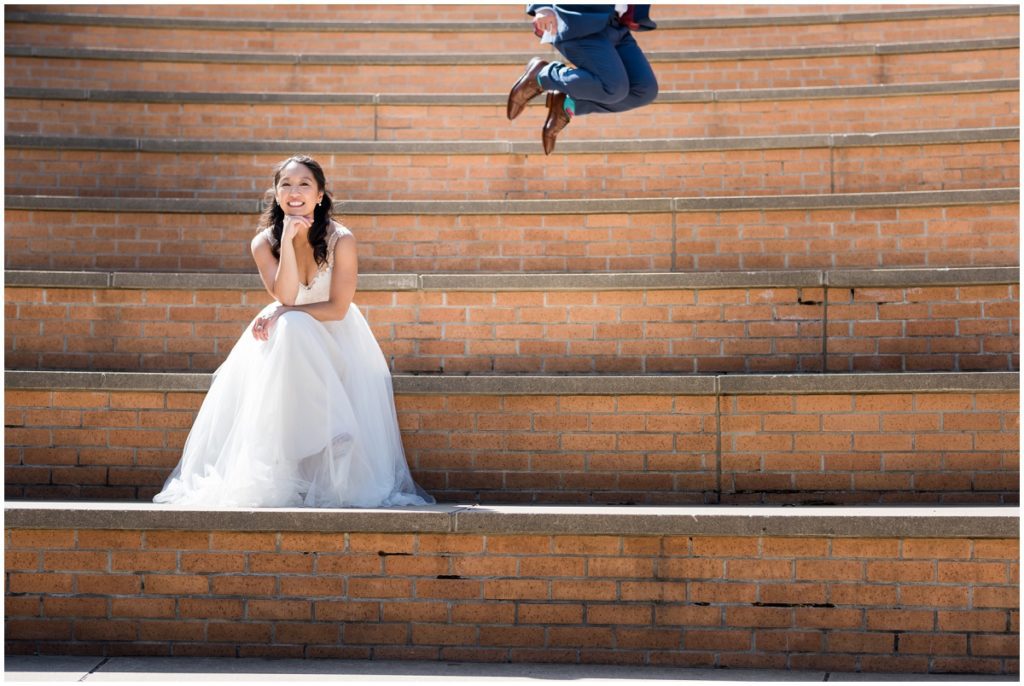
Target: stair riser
pixel 488 122
pixel 757 330
pixel 523 40
pixel 868 169
pixel 874 603
pixel 463 12
pixel 785 72
pixel 951 236
pixel 651 449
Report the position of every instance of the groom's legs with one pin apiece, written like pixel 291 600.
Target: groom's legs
pixel 611 73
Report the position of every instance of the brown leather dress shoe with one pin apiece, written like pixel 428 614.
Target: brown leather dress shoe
pixel 557 120
pixel 526 88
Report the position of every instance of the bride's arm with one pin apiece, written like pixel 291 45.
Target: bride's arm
pixel 280 276
pixel 344 277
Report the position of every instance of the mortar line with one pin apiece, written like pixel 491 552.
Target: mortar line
pixel 718 439
pixel 675 215
pixel 824 324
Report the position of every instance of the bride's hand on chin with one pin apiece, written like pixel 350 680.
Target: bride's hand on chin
pixel 296 225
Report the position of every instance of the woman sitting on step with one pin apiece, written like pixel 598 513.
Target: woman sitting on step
pixel 301 413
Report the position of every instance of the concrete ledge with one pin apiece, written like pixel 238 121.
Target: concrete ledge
pixel 495 26
pixel 932 382
pixel 107 381
pixel 461 59
pixel 287 147
pixel 951 276
pixel 848 200
pixel 745 384
pixel 909 522
pixel 497 99
pixel 501 207
pixel 742 521
pixel 628 281
pixel 843 278
pixel 846 92
pixel 182 281
pixel 556 385
pixel 155 205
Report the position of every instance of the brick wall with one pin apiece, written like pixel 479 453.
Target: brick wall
pixel 838 237
pixel 717 72
pixel 838 448
pixel 751 330
pixel 877 603
pixel 951 236
pixel 900 113
pixel 666 38
pixel 753 117
pixel 904 447
pixel 808 171
pixel 970 327
pixel 468 13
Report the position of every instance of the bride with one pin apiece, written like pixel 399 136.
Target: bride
pixel 301 413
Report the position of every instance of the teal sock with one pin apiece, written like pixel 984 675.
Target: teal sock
pixel 570 106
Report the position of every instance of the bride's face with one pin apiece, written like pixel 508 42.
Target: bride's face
pixel 297 191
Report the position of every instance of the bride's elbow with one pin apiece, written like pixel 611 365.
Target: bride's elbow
pixel 284 300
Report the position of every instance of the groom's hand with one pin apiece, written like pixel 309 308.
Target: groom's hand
pixel 545 22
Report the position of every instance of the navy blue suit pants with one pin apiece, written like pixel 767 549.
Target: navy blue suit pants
pixel 610 73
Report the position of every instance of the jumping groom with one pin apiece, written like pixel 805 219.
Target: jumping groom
pixel 610 72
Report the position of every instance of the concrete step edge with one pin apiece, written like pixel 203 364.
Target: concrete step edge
pixel 714 385
pixel 498 99
pixel 978 196
pixel 519 58
pixel 505 282
pixel 458 147
pixel 837 522
pixel 493 26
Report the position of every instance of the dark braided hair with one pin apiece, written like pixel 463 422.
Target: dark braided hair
pixel 273 215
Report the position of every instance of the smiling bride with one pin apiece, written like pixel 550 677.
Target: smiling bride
pixel 301 413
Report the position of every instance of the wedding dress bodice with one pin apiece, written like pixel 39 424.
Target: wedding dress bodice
pixel 319 288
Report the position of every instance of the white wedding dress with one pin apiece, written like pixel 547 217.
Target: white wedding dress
pixel 306 418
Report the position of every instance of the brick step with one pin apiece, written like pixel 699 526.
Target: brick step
pixel 920 161
pixel 395 117
pixel 886 590
pixel 923 229
pixel 794 439
pixel 412 29
pixel 786 67
pixel 795 321
pixel 467 16
pixel 785 439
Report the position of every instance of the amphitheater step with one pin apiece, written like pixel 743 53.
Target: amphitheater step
pixel 468 72
pixel 792 439
pixel 892 589
pixel 416 29
pixel 373 116
pixel 796 321
pixel 814 164
pixel 495 17
pixel 911 229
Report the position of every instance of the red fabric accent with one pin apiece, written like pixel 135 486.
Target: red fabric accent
pixel 627 19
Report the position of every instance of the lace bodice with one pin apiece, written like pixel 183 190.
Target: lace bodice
pixel 319 288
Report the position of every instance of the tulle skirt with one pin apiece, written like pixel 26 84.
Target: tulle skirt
pixel 306 418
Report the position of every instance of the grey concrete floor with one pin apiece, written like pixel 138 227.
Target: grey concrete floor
pixel 134 670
